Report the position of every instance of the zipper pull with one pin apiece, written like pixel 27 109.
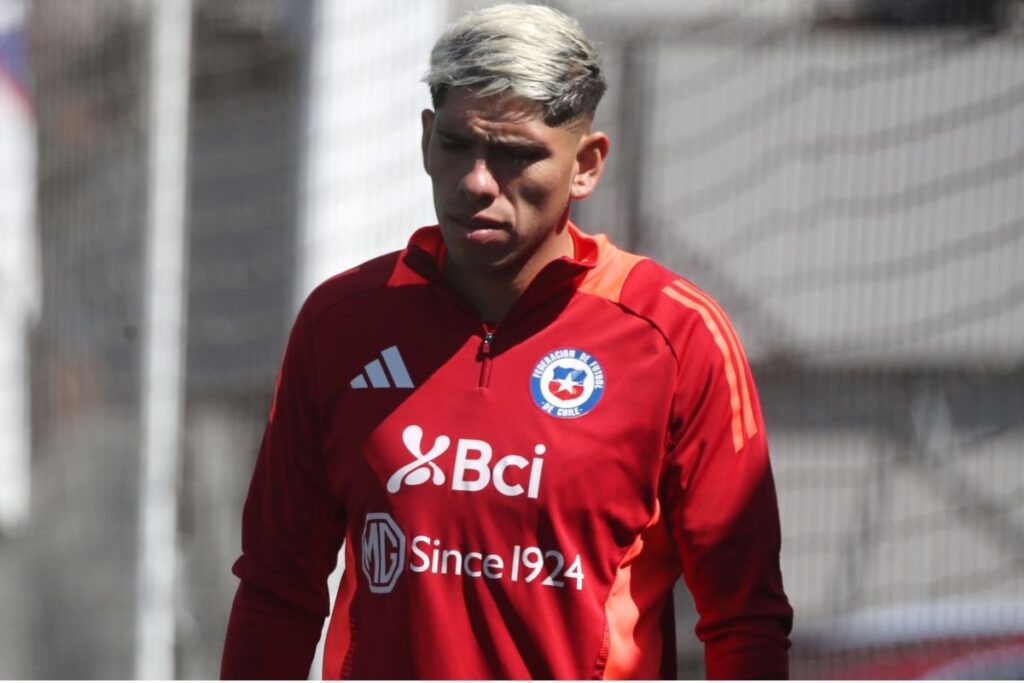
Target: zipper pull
pixel 485 345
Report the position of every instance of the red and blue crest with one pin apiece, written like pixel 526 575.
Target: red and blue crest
pixel 567 383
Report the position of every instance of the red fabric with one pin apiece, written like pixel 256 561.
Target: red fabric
pixel 486 533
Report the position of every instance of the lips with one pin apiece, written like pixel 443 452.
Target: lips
pixel 481 230
pixel 475 223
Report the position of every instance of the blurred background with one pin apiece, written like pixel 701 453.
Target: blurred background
pixel 845 176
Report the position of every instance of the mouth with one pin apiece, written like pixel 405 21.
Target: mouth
pixel 480 229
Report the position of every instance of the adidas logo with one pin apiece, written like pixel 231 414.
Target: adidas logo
pixel 378 378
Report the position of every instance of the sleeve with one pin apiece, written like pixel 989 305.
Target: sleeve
pixel 719 495
pixel 292 529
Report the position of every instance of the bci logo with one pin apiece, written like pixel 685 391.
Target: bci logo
pixel 472 469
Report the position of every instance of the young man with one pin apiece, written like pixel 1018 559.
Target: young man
pixel 522 433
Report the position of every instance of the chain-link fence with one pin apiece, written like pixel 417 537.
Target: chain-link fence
pixel 845 178
pixel 848 187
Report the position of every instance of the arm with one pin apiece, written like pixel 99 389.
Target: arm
pixel 291 532
pixel 720 499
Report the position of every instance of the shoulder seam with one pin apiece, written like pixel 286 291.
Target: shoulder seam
pixel 346 297
pixel 650 320
pixel 629 310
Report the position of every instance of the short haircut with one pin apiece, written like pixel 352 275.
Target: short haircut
pixel 528 51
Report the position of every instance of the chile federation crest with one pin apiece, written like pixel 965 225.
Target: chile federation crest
pixel 567 383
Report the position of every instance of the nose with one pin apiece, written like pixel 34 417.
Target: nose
pixel 479 183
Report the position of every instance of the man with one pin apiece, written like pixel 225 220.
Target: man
pixel 522 433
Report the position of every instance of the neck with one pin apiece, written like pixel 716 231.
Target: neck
pixel 494 293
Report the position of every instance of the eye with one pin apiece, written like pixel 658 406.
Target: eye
pixel 451 144
pixel 517 156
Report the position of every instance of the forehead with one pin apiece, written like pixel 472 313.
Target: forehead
pixel 464 112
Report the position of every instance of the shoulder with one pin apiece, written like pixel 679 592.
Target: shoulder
pixel 685 314
pixel 689 319
pixel 713 368
pixel 371 276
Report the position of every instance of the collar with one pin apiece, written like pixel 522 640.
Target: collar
pixel 422 261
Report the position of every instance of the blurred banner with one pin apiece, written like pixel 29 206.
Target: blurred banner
pixel 19 280
pixel 364 188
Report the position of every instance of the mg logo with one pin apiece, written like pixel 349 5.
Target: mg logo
pixel 383 552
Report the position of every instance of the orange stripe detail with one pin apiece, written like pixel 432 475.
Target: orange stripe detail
pixel 642 583
pixel 730 372
pixel 734 344
pixel 609 275
pixel 339 631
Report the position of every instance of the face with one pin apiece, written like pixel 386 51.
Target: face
pixel 503 180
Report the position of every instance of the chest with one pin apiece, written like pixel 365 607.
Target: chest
pixel 561 420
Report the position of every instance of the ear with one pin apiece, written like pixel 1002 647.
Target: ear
pixel 590 156
pixel 427 118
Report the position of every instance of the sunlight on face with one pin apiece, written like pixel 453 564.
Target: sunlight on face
pixel 502 179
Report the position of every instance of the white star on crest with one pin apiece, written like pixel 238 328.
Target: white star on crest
pixel 567 384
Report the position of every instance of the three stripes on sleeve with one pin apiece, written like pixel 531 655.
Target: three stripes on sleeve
pixel 744 424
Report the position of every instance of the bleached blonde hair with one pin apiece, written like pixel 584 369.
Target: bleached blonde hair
pixel 528 51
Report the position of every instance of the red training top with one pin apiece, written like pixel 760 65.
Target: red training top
pixel 518 501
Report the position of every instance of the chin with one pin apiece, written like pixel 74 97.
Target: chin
pixel 483 264
pixel 482 260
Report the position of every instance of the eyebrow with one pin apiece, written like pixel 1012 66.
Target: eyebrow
pixel 512 142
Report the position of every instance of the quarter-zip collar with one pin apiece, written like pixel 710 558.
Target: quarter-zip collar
pixel 422 262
